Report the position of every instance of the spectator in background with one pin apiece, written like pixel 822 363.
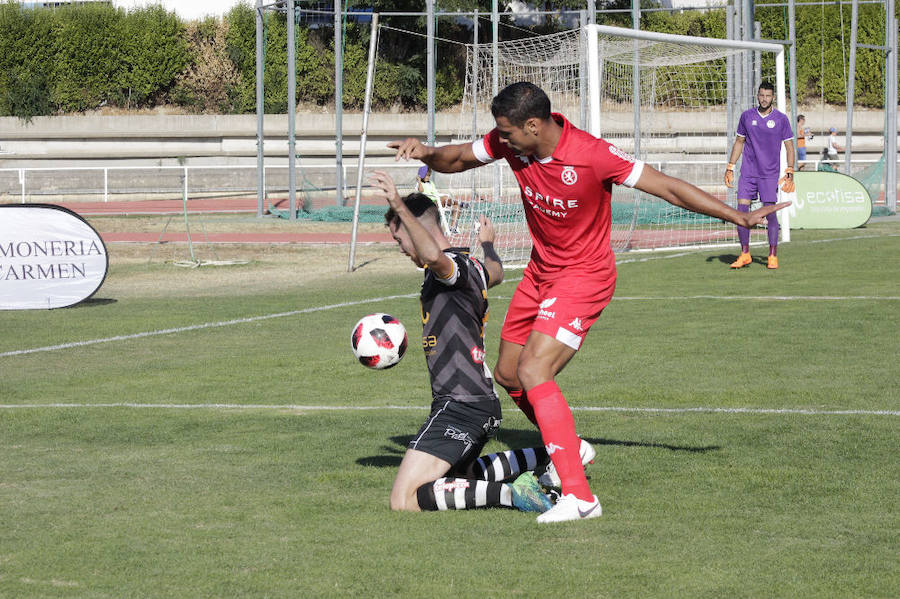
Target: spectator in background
pixel 804 135
pixel 832 149
pixel 426 186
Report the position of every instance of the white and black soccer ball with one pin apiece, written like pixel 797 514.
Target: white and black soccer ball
pixel 379 341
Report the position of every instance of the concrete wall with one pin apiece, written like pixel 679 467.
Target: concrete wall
pixel 231 139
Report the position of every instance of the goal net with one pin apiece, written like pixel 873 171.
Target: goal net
pixel 670 100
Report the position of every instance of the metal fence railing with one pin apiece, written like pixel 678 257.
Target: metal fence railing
pixel 316 184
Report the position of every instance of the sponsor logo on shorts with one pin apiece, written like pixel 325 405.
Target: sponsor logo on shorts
pixel 569 176
pixel 576 324
pixel 457 435
pixel 545 314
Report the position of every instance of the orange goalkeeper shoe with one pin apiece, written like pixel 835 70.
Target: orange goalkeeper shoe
pixel 743 260
pixel 773 262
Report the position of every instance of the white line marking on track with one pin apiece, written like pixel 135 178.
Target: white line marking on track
pixel 207 325
pixel 225 406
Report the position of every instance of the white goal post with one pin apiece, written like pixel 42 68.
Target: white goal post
pixel 677 120
pixel 594 57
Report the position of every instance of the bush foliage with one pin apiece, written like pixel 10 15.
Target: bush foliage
pixel 79 58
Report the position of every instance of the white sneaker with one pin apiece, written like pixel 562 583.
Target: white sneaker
pixel 572 508
pixel 550 479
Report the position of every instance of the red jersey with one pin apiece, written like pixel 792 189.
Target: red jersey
pixel 567 196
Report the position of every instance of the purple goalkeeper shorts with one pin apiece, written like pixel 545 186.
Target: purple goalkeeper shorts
pixel 765 187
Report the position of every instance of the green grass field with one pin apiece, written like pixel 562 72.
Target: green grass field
pixel 746 425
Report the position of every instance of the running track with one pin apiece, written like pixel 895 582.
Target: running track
pixel 199 206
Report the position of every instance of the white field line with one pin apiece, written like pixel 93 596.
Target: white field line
pixel 311 408
pixel 206 325
pixel 210 325
pixel 225 323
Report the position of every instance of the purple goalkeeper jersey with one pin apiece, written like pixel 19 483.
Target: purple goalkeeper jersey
pixel 763 139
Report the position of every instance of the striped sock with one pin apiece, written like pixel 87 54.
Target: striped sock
pixel 462 494
pixel 507 464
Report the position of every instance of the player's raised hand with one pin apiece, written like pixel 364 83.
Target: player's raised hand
pixel 410 148
pixel 758 216
pixel 485 229
pixel 387 190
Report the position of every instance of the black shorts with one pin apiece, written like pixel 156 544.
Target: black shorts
pixel 457 431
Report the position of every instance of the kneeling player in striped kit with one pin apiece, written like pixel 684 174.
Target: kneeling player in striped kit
pixel 441 469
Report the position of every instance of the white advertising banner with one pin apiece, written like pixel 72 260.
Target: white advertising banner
pixel 827 200
pixel 49 257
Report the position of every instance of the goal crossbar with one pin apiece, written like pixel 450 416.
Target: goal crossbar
pixel 593 32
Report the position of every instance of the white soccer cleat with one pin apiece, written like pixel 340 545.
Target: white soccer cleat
pixel 572 508
pixel 550 479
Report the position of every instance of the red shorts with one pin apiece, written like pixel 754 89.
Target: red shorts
pixel 564 306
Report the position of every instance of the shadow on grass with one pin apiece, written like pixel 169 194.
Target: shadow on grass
pixel 388 461
pixel 364 264
pixel 729 258
pixel 517 439
pixel 687 448
pixel 94 301
pixel 521 438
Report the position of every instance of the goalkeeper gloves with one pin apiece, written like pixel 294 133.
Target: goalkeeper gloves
pixel 787 181
pixel 729 175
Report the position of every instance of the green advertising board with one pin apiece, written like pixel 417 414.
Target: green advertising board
pixel 826 200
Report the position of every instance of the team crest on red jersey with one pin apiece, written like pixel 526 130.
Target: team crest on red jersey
pixel 569 176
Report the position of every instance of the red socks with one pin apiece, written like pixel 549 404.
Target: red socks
pixel 521 400
pixel 557 426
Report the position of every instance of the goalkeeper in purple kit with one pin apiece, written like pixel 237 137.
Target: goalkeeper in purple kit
pixel 760 133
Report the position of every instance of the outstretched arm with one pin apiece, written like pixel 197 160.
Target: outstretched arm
pixel 452 158
pixel 684 195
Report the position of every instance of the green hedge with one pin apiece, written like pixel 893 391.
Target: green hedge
pixel 78 58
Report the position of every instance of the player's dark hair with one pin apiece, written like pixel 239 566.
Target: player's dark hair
pixel 521 101
pixel 767 85
pixel 800 116
pixel 417 203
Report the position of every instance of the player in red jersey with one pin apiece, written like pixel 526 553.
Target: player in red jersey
pixel 565 176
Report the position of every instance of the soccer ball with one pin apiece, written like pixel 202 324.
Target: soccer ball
pixel 378 341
